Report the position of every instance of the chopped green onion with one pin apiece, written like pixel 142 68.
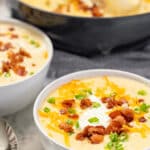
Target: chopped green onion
pixel 93 120
pixel 83 94
pixel 116 141
pixel 142 92
pixel 123 137
pixel 46 109
pixel 36 44
pixel 7 74
pixel 89 91
pixel 70 133
pixel 142 108
pixel 70 122
pixel 77 125
pixel 71 111
pixel 51 100
pixel 31 73
pixel 80 96
pixel 96 105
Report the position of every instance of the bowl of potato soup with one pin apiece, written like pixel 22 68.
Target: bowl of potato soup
pixel 25 55
pixel 95 109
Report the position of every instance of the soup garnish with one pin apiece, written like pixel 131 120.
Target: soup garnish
pixel 20 52
pixel 102 112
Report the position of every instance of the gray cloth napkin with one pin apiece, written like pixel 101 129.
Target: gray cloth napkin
pixel 132 60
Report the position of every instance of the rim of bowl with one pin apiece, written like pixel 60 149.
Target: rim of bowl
pixel 71 76
pixel 46 40
pixel 80 17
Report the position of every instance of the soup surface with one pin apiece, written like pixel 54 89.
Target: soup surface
pixel 22 53
pixel 93 8
pixel 108 113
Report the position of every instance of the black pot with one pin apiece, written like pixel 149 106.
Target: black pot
pixel 88 34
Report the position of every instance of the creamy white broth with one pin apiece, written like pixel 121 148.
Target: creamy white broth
pixel 132 87
pixel 27 40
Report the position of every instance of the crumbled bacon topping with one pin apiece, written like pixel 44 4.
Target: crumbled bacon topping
pixel 20 70
pixel 142 119
pixel 5 46
pixel 94 134
pixel 85 103
pixel 128 114
pixel 63 111
pixel 6 66
pixel 14 36
pixel 11 29
pixel 111 102
pixel 96 11
pixel 96 138
pixel 66 127
pixel 14 62
pixel 73 116
pixel 68 103
pixel 141 100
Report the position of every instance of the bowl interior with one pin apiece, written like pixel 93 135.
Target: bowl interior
pixel 37 32
pixel 78 75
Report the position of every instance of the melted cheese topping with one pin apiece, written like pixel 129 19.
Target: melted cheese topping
pixel 95 89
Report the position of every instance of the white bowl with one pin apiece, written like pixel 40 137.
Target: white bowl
pixel 49 143
pixel 16 96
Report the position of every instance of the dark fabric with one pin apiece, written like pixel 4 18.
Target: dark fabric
pixel 129 59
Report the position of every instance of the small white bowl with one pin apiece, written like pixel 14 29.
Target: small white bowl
pixel 16 96
pixel 49 143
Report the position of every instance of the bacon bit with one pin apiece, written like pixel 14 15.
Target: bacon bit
pixel 33 65
pixel 142 119
pixel 80 136
pixel 96 11
pixel 106 99
pixel 8 46
pixel 96 138
pixel 128 114
pixel 73 116
pixel 85 103
pixel 63 111
pixel 120 119
pixel 66 127
pixel 6 66
pixel 114 126
pixel 24 53
pixel 5 46
pixel 11 29
pixel 15 57
pixel 83 6
pixel 114 114
pixel 14 36
pixel 68 103
pixel 20 70
pixel 96 130
pixel 141 100
pixel 111 104
pixel 121 102
pixel 93 133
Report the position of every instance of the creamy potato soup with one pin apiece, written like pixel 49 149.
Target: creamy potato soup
pixel 102 113
pixel 22 53
pixel 93 8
